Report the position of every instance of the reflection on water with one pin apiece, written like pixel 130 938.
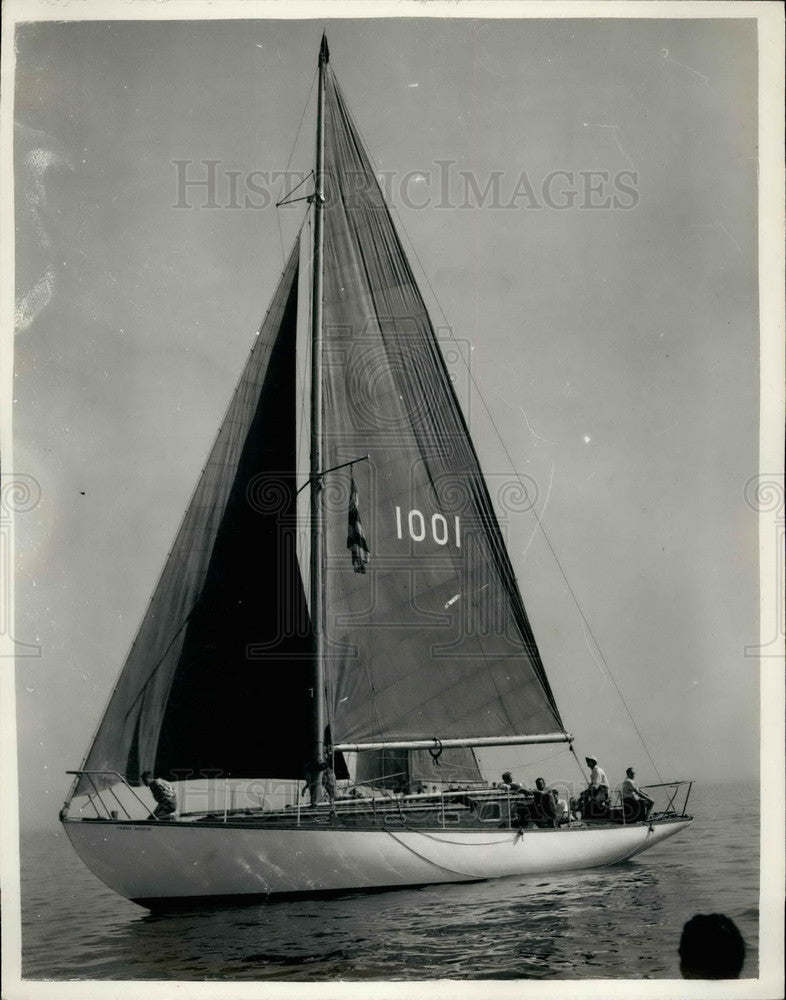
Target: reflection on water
pixel 620 922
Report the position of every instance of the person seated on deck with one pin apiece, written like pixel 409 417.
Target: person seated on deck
pixel 544 805
pixel 596 797
pixel 520 815
pixel 636 804
pixel 163 793
pixel 508 784
pixel 547 808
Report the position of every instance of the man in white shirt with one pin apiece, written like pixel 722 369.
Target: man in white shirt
pixel 598 789
pixel 636 804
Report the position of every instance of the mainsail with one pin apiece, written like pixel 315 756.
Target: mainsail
pixel 217 680
pixel 411 770
pixel 434 640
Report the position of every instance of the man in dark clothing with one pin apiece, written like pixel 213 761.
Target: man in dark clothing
pixel 313 783
pixel 544 804
pixel 163 793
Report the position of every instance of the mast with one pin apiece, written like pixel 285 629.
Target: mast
pixel 317 527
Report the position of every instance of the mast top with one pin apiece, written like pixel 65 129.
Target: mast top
pixel 324 52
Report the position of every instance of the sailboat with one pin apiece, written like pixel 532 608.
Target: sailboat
pixel 396 640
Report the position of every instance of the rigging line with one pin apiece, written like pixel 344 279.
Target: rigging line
pixel 278 216
pixel 289 200
pixel 280 237
pixel 291 154
pixel 532 506
pixel 430 861
pixel 540 760
pixel 501 839
pixel 578 763
pixel 299 229
pixel 300 123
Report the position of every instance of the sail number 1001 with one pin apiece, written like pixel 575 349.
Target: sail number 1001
pixel 416 524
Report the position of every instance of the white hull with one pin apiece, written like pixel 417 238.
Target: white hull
pixel 168 862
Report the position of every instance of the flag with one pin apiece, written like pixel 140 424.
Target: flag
pixel 356 541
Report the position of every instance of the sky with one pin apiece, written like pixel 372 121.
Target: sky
pixel 613 350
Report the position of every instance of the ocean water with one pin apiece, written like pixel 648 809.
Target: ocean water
pixel 617 923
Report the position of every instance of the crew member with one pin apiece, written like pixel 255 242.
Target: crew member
pixel 329 781
pixel 164 794
pixel 544 803
pixel 314 784
pixel 636 804
pixel 597 796
pixel 508 784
